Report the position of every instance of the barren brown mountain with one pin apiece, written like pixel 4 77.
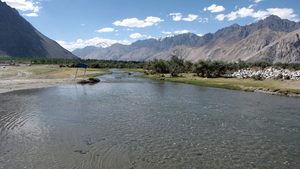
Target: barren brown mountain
pixel 252 42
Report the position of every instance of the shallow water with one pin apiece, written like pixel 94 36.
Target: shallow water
pixel 130 122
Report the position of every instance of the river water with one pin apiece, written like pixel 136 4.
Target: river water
pixel 130 122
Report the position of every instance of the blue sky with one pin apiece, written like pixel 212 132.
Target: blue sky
pixel 79 23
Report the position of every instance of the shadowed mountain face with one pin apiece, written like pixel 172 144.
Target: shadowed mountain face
pixel 228 44
pixel 18 38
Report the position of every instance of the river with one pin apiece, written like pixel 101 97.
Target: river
pixel 129 122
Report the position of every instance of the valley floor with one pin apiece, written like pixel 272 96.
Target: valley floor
pixel 40 76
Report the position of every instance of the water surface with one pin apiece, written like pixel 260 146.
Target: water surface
pixel 130 122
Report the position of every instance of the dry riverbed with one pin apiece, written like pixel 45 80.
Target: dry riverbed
pixel 39 76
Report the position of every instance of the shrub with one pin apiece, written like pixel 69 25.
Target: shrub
pixel 258 77
pixel 287 77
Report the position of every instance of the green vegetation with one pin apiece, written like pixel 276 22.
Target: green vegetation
pixel 175 65
pixel 42 70
pixel 230 83
pixel 91 63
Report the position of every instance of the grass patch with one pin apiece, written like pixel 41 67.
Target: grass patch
pixel 132 70
pixel 231 83
pixel 66 72
pixel 42 70
pixel 95 74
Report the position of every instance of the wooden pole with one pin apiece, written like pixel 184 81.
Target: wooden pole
pixel 76 72
pixel 84 73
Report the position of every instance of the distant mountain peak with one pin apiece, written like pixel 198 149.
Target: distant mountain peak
pixel 229 44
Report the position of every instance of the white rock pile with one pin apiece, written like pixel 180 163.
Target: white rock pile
pixel 270 73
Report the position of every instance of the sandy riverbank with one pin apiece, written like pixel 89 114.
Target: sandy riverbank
pixel 38 76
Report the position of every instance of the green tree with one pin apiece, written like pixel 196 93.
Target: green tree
pixel 188 66
pixel 176 65
pixel 200 67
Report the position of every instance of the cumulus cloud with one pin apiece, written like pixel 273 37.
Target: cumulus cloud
pixel 181 31
pixel 220 17
pixel 190 17
pixel 176 16
pixel 214 8
pixel 134 22
pixel 107 29
pixel 91 42
pixel 138 36
pixel 284 13
pixel 25 5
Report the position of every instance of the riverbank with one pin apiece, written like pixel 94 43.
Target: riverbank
pixel 275 87
pixel 39 76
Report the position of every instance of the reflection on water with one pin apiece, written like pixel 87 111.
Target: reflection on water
pixel 139 123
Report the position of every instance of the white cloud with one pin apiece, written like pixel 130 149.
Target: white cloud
pixel 256 1
pixel 190 17
pixel 176 16
pixel 199 35
pixel 91 42
pixel 166 32
pixel 214 8
pixel 107 29
pixel 82 24
pixel 36 9
pixel 31 14
pixel 220 17
pixel 134 22
pixel 138 36
pixel 23 5
pixel 283 13
pixel 181 31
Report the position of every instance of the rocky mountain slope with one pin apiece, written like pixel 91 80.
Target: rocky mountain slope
pixel 18 38
pixel 228 44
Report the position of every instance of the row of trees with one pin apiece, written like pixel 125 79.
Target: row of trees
pixel 208 68
pixel 91 63
pixel 174 66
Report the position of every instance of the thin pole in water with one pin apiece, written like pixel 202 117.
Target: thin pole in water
pixel 76 72
pixel 84 73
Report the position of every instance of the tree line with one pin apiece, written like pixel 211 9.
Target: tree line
pixel 208 68
pixel 174 66
pixel 91 63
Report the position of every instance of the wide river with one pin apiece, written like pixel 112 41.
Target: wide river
pixel 129 122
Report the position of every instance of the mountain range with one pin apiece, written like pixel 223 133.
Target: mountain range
pixel 272 39
pixel 18 38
